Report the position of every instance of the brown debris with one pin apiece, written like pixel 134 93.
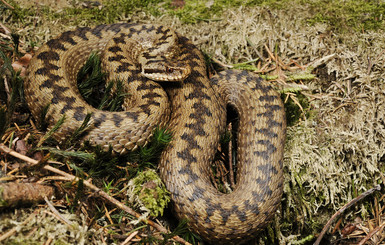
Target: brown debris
pixel 14 194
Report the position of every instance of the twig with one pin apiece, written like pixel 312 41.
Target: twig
pixel 270 53
pixel 232 183
pixel 129 238
pixel 7 4
pixel 101 193
pixel 371 64
pixel 346 206
pixel 221 63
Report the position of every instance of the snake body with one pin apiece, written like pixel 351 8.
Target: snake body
pixel 140 55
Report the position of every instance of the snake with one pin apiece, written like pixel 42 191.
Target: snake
pixel 166 80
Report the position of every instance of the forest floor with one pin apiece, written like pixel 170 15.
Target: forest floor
pixel 326 58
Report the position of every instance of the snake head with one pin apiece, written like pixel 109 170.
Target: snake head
pixel 162 71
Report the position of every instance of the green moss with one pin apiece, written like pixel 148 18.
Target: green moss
pixel 340 15
pixel 200 10
pixel 151 192
pixel 359 15
pixel 292 109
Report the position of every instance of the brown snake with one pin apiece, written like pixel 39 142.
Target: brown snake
pixel 140 55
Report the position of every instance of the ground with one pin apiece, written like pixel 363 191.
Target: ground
pixel 326 59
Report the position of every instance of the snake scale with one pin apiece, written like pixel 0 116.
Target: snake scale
pixel 193 106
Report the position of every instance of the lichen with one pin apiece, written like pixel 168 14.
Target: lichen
pixel 43 225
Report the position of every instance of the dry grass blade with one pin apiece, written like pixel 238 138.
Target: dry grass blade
pixel 56 213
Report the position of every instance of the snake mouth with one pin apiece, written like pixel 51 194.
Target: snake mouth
pixel 165 73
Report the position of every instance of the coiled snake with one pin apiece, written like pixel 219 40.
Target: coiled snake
pixel 141 55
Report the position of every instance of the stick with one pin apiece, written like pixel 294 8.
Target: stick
pixel 346 206
pixel 7 4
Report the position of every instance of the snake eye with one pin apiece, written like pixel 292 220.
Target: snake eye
pixel 169 70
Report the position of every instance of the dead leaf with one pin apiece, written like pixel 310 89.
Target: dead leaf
pixel 178 4
pixel 22 64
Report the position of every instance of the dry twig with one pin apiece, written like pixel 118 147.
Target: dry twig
pixel 7 4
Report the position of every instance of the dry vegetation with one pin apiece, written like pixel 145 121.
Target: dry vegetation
pixel 332 82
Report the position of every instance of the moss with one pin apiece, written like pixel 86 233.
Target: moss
pixel 294 113
pixel 347 15
pixel 111 11
pixel 150 190
pixel 340 15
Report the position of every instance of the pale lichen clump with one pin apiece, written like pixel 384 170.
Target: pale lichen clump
pixel 36 226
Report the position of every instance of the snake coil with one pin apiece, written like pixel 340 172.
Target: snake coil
pixel 193 107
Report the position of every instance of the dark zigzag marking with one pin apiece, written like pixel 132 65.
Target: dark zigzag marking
pixel 56 44
pixel 79 114
pixel 116 58
pixel 192 177
pixel 46 70
pixel 197 194
pixel 81 32
pixel 124 67
pixel 115 49
pixel 117 119
pixel 251 207
pixel 149 86
pixel 48 55
pixel 68 37
pixel 50 82
pixel 268 98
pixel 270 149
pixel 240 214
pixel 190 139
pixel 265 131
pixel 186 156
pixel 99 120
pixel 151 95
pixel 133 115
